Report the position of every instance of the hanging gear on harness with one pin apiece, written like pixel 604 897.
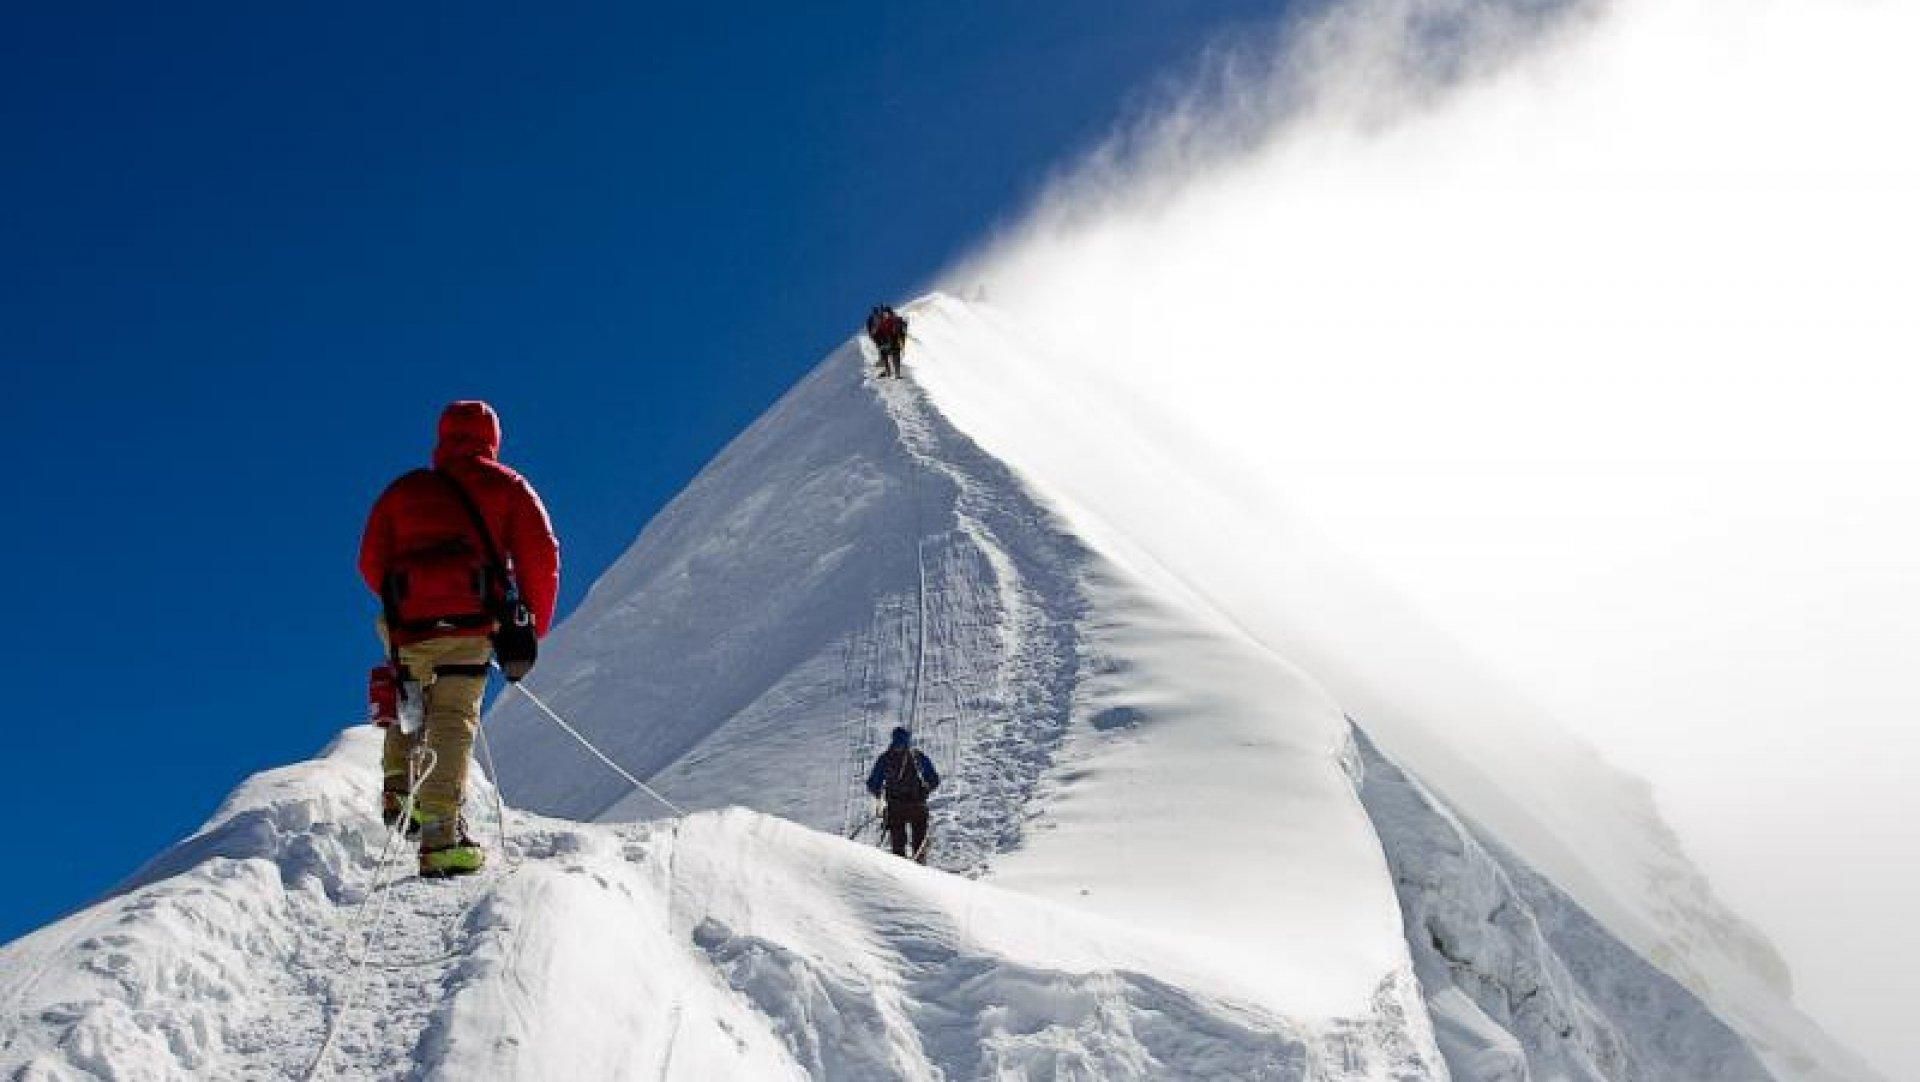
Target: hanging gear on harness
pixel 393 700
pixel 383 695
pixel 464 561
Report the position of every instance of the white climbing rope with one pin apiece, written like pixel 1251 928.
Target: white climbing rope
pixel 499 801
pixel 597 753
pixel 478 886
pixel 420 763
pixel 920 632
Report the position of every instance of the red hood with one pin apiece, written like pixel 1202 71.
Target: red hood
pixel 467 430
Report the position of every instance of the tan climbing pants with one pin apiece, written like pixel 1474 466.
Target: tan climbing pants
pixel 452 674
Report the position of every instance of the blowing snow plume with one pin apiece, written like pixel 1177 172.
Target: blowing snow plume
pixel 1588 331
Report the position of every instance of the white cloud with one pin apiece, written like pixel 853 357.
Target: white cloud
pixel 1597 337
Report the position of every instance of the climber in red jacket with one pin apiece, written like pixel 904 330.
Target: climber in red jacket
pixel 447 550
pixel 888 331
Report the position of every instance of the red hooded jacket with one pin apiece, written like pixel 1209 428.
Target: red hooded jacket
pixel 418 526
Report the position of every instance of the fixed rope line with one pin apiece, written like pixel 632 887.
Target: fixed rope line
pixel 419 765
pixel 920 632
pixel 478 886
pixel 499 802
pixel 588 744
pixel 945 745
pixel 920 623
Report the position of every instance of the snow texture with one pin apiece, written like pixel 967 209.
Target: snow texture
pixel 764 634
pixel 1162 851
pixel 829 528
pixel 1168 511
pixel 1520 981
pixel 725 945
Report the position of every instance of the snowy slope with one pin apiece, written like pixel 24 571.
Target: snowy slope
pixel 1109 724
pixel 764 633
pixel 857 506
pixel 1174 512
pixel 1518 977
pixel 725 945
pixel 1177 857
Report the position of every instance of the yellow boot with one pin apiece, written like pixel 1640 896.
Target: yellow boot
pixel 446 850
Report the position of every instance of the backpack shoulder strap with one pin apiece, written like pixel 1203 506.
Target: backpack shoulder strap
pixel 495 564
pixel 905 766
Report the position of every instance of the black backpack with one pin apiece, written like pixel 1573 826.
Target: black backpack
pixel 904 781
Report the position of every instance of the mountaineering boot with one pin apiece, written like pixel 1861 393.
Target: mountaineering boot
pixel 445 849
pixel 392 803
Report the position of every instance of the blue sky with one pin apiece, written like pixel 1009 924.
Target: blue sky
pixel 250 250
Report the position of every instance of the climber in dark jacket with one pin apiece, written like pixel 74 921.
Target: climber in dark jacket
pixel 906 777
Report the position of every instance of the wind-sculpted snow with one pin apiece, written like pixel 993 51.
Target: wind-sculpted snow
pixel 1118 740
pixel 1520 981
pixel 974 982
pixel 1176 860
pixel 1179 518
pixel 218 958
pixel 725 945
pixel 848 564
pixel 1108 744
pixel 752 602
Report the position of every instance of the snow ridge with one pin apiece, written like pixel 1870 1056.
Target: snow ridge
pixel 1519 979
pixel 997 655
pixel 1097 720
pixel 1183 519
pixel 220 957
pixel 849 563
pixel 1180 859
pixel 771 600
pixel 724 945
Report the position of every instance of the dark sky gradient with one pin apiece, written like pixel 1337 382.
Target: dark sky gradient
pixel 249 251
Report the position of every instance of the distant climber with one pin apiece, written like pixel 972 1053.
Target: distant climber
pixel 888 330
pixel 906 778
pixel 459 555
